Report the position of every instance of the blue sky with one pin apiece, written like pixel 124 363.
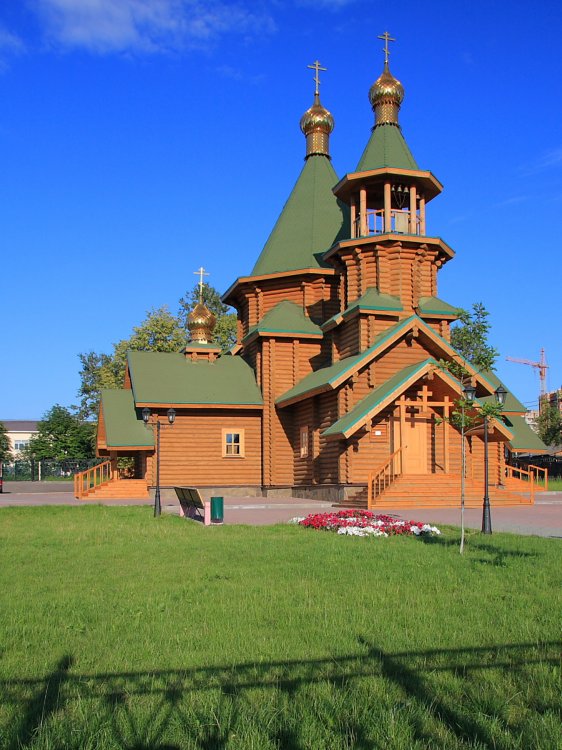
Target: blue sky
pixel 140 139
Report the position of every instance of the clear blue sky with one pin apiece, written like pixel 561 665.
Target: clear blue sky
pixel 140 139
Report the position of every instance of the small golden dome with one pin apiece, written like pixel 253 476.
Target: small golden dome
pixel 317 117
pixel 317 123
pixel 386 95
pixel 201 323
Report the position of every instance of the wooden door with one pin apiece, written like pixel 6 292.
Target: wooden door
pixel 412 434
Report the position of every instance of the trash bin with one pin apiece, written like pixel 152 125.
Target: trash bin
pixel 217 509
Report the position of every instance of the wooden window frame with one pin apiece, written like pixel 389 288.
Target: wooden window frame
pixel 226 431
pixel 304 441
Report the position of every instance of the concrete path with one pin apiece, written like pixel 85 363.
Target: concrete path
pixel 542 519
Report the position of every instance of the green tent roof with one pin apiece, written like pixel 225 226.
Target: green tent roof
pixel 312 220
pixel 386 148
pixel 436 306
pixel 367 404
pixel 512 403
pixel 123 426
pixel 525 439
pixel 168 378
pixel 286 317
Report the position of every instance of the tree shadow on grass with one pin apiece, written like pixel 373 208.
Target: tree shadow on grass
pixel 46 700
pixel 144 709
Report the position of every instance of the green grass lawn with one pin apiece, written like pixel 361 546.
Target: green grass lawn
pixel 121 631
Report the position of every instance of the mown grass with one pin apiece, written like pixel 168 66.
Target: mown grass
pixel 121 631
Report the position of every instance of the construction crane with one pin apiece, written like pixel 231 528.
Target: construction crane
pixel 541 367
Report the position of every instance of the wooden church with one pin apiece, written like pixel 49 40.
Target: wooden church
pixel 335 389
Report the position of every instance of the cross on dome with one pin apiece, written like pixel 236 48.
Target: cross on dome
pixel 201 272
pixel 386 38
pixel 317 67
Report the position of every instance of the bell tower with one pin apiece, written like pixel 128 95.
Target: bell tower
pixel 389 250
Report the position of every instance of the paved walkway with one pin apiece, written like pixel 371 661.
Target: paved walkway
pixel 542 519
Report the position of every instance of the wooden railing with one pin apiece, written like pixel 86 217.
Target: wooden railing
pixel 524 475
pixel 384 476
pixel 84 481
pixel 536 470
pixel 400 222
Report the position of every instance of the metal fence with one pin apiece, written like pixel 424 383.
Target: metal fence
pixel 552 463
pixel 37 471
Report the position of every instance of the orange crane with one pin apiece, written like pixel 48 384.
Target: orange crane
pixel 541 367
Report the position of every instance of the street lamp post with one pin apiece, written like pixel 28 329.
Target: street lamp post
pixel 500 395
pixel 155 422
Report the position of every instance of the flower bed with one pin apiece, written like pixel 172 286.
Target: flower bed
pixel 366 523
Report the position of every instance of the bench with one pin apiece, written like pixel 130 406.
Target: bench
pixel 191 503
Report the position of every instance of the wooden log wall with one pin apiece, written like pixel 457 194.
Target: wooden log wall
pixel 329 451
pixel 347 338
pixel 191 449
pixel 370 449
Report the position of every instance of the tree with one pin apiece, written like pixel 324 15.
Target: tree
pixel 61 435
pixel 549 425
pixel 5 445
pixel 470 338
pixel 159 332
pixel 224 334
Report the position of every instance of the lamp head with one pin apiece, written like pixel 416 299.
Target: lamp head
pixel 469 393
pixel 145 414
pixel 500 395
pixel 171 416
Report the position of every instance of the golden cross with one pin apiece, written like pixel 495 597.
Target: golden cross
pixel 387 38
pixel 317 67
pixel 201 272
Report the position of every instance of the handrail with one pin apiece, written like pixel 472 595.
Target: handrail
pixel 544 470
pixel 381 478
pixel 86 480
pixel 530 477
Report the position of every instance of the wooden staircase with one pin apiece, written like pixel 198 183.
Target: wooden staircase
pixel 103 482
pixel 444 490
pixel 439 491
pixel 119 489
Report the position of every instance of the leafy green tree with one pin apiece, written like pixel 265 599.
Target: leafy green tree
pixel 224 334
pixel 470 338
pixel 159 332
pixel 549 425
pixel 61 435
pixel 5 446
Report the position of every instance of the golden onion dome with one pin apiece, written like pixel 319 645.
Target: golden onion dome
pixel 201 323
pixel 386 95
pixel 317 123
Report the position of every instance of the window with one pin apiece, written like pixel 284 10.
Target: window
pixel 20 445
pixel 233 443
pixel 304 442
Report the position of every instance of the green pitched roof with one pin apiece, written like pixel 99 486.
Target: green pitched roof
pixel 312 220
pixel 512 403
pixel 123 426
pixel 386 148
pixel 371 300
pixel 326 377
pixel 169 378
pixel 286 317
pixel 379 394
pixel 525 439
pixel 436 306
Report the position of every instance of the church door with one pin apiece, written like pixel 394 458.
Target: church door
pixel 414 435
